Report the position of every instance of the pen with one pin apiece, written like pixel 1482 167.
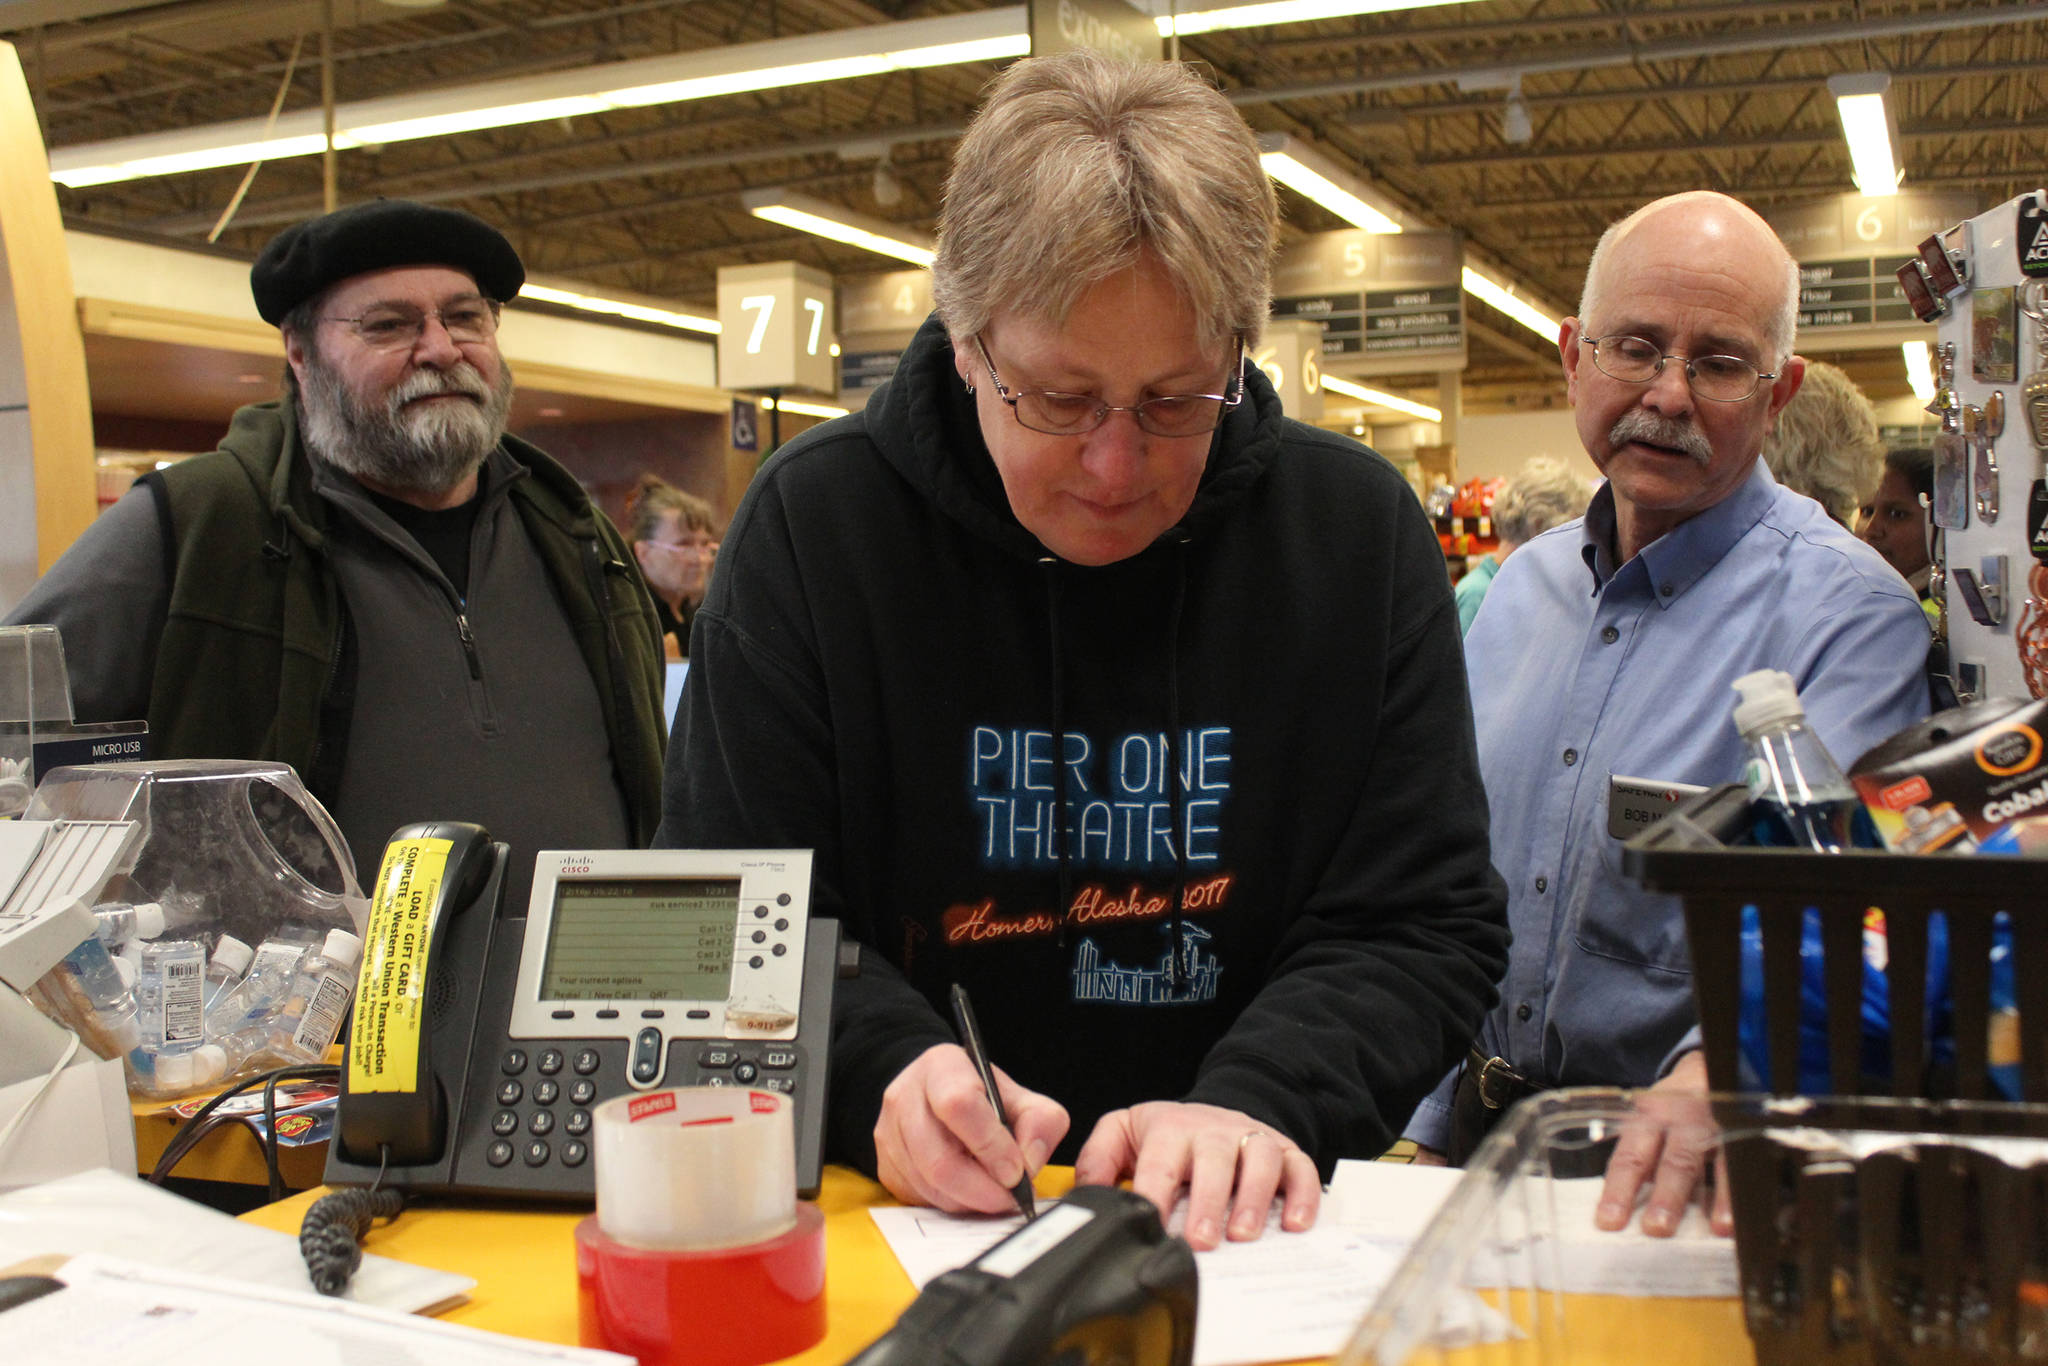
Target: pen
pixel 970 1039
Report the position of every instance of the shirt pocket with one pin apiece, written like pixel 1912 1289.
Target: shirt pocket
pixel 1622 922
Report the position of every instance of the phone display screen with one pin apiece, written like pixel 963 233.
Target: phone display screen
pixel 641 939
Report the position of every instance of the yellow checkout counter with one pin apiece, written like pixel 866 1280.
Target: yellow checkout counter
pixel 524 1263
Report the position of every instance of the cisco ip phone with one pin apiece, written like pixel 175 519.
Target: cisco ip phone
pixel 485 1035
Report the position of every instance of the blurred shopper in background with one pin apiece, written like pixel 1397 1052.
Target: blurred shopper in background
pixel 1894 519
pixel 1542 494
pixel 675 538
pixel 1825 443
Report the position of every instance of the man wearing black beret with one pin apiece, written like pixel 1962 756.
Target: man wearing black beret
pixel 370 579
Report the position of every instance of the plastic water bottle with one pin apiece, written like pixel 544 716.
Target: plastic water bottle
pixel 250 1001
pixel 1796 788
pixel 305 1027
pixel 224 970
pixel 121 922
pixel 95 975
pixel 171 1000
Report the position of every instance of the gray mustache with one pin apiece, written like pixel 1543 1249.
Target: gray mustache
pixel 1638 425
pixel 459 379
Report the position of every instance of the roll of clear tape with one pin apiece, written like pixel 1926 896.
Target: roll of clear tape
pixel 695 1168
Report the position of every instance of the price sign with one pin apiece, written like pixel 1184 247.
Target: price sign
pixel 775 328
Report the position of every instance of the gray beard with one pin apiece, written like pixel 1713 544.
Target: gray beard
pixel 430 450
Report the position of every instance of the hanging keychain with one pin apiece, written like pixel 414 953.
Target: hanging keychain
pixel 2030 632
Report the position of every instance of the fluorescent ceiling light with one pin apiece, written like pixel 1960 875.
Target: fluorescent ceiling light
pixel 618 308
pixel 1283 12
pixel 1319 177
pixel 1919 370
pixel 821 219
pixel 1503 297
pixel 790 405
pixel 944 40
pixel 1867 128
pixel 1379 397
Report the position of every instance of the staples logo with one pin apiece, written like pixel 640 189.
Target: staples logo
pixel 1911 792
pixel 646 1107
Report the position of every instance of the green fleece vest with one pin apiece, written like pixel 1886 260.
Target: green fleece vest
pixel 254 661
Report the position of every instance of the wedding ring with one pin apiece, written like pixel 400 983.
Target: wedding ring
pixel 1246 1137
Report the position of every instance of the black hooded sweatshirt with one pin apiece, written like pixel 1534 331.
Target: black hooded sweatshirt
pixel 889 669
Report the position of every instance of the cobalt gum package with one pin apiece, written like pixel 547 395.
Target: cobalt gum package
pixel 1957 777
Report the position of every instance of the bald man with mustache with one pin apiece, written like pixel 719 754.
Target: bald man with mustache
pixel 1611 645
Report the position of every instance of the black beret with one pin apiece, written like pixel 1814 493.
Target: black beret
pixel 308 257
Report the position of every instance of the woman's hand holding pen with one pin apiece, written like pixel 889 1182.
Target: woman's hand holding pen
pixel 1228 1162
pixel 938 1141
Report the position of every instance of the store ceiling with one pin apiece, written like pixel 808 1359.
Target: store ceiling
pixel 1627 100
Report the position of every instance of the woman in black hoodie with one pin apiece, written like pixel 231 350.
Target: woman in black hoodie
pixel 1104 689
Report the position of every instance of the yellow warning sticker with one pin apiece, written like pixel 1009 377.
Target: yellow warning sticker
pixel 384 1041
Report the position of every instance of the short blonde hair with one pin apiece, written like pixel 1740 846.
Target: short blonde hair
pixel 1542 494
pixel 1825 443
pixel 1075 165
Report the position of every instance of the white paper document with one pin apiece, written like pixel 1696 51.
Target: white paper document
pixel 1285 1296
pixel 100 1211
pixel 114 1310
pixel 1568 1254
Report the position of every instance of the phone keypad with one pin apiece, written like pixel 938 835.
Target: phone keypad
pixel 544 1120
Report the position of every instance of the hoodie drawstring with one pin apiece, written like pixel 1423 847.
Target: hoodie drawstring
pixel 1059 733
pixel 1176 777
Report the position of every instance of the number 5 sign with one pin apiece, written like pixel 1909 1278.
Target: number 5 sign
pixel 775 328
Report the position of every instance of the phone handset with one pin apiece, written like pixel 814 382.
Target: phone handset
pixel 395 1098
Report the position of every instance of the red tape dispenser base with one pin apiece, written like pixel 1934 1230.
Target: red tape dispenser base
pixel 736 1306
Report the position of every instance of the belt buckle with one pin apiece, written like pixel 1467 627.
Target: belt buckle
pixel 1496 1071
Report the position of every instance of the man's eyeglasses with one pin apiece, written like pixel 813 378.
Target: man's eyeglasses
pixel 398 327
pixel 1062 414
pixel 1723 379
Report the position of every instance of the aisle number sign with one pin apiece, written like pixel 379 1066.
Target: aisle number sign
pixel 776 328
pixel 1383 303
pixel 1850 248
pixel 391 990
pixel 878 315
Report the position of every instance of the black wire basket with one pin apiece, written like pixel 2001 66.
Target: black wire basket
pixel 1909 1230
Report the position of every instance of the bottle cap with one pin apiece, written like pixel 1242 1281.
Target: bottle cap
pixel 209 1064
pixel 149 919
pixel 130 973
pixel 125 1033
pixel 232 954
pixel 341 947
pixel 1768 696
pixel 174 1071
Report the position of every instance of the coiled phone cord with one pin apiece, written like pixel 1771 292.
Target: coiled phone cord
pixel 331 1238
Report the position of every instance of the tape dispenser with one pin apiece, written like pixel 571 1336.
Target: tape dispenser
pixel 1091 1281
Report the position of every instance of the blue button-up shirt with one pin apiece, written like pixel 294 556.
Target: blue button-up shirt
pixel 1581 670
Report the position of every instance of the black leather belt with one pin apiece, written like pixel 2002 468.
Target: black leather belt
pixel 1487 1089
pixel 1498 1084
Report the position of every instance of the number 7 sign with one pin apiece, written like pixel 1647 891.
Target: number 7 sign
pixel 776 328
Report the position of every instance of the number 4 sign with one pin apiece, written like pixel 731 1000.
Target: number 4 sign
pixel 775 328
